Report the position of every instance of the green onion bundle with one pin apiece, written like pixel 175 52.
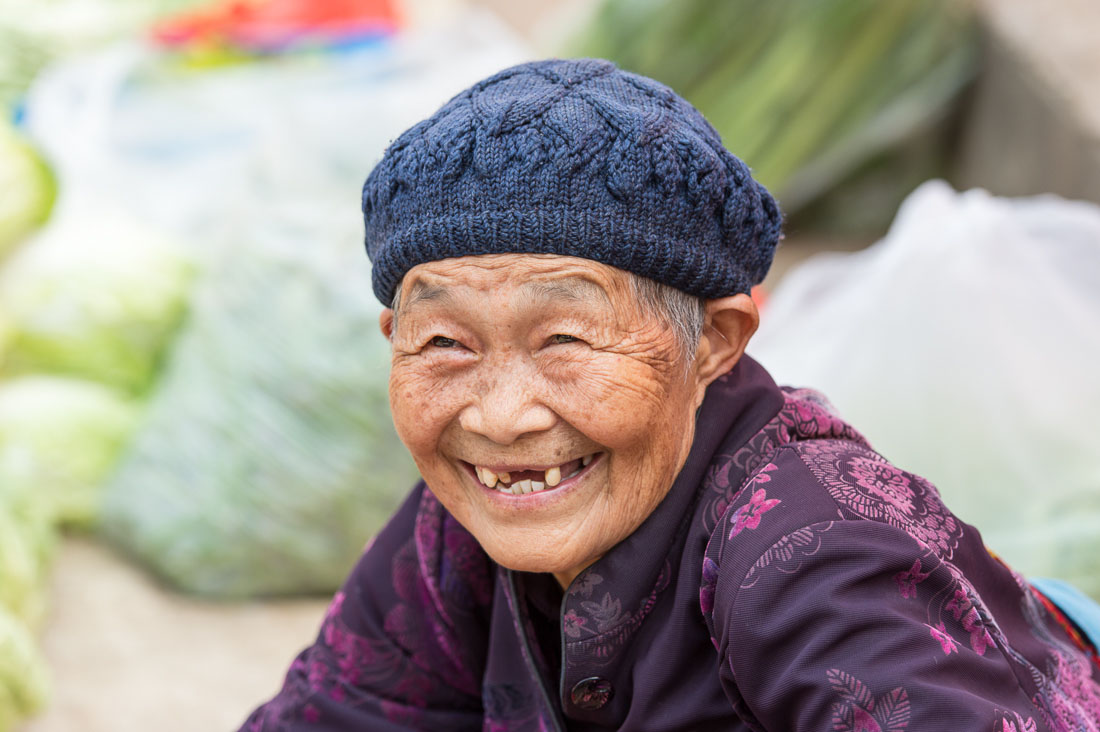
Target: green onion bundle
pixel 803 90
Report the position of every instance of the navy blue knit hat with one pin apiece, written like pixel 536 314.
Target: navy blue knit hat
pixel 573 157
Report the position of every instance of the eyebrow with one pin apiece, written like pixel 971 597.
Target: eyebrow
pixel 576 289
pixel 420 291
pixel 572 288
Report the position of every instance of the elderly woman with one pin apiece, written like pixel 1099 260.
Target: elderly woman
pixel 623 522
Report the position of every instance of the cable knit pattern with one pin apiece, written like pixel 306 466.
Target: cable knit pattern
pixel 571 157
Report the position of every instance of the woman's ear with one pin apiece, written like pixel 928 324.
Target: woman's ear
pixel 385 322
pixel 728 324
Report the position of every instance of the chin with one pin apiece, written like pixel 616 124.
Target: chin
pixel 534 562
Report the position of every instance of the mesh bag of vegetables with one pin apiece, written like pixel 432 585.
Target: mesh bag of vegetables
pixel 267 457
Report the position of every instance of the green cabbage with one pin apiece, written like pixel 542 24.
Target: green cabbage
pixel 27 189
pixel 59 438
pixel 24 684
pixel 26 547
pixel 97 295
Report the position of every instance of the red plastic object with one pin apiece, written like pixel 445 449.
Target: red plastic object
pixel 268 25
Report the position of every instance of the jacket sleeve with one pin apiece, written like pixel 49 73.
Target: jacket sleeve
pixel 856 625
pixel 398 649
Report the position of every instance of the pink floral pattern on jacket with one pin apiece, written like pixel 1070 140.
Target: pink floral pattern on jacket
pixel 933 598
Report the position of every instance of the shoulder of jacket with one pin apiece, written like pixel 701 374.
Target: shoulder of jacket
pixel 815 482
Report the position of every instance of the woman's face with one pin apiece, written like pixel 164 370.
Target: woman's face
pixel 544 408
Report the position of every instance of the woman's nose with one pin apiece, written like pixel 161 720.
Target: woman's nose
pixel 504 409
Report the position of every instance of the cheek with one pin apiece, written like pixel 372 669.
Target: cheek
pixel 614 400
pixel 422 406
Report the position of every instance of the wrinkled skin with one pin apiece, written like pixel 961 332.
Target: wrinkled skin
pixel 520 360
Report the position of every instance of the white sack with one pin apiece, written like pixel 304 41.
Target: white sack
pixel 966 347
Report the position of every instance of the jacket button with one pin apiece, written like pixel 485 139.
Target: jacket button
pixel 591 693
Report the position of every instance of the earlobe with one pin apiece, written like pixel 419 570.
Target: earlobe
pixel 729 324
pixel 385 322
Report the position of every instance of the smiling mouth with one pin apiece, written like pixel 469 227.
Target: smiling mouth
pixel 521 481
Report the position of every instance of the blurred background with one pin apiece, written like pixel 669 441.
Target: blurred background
pixel 195 441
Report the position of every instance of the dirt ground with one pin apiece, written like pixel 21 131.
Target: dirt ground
pixel 127 655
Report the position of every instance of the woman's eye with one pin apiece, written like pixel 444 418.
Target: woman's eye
pixel 443 342
pixel 562 338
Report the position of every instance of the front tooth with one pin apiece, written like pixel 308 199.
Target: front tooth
pixel 523 486
pixel 504 477
pixel 553 477
pixel 490 478
pixel 586 460
pixel 537 486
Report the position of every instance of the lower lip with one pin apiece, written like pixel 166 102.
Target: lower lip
pixel 535 498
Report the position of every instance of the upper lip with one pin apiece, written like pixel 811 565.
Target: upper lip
pixel 521 473
pixel 519 467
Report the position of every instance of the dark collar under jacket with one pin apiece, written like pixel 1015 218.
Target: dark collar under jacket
pixel 792 579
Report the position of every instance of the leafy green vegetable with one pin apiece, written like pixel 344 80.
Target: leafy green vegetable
pixel 26 546
pixel 96 294
pixel 59 438
pixel 24 684
pixel 803 90
pixel 27 189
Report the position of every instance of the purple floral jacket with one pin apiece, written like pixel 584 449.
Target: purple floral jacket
pixel 792 579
